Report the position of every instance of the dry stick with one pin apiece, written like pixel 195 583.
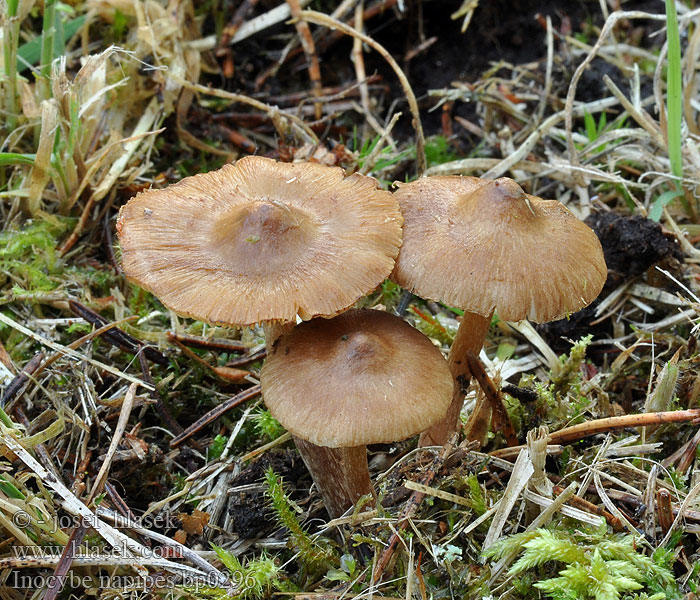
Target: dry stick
pixel 207 343
pixel 234 24
pixel 69 553
pixel 80 341
pixel 320 19
pixel 410 508
pixel 501 421
pixel 470 338
pixel 585 505
pixel 118 502
pixel 576 432
pixel 13 388
pixel 247 358
pixel 214 414
pixel 359 61
pixel 226 373
pixel 116 336
pixel 307 42
pixel 275 114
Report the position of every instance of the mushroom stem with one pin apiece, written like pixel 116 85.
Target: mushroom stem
pixel 341 474
pixel 470 338
pixel 273 330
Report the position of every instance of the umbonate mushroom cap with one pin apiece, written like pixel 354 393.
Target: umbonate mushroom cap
pixel 482 245
pixel 261 241
pixel 363 377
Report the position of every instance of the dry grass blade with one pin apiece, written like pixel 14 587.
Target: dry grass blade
pixel 522 471
pixel 124 414
pixel 322 19
pixel 72 353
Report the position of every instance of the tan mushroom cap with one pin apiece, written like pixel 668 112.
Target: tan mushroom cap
pixel 364 377
pixel 482 245
pixel 260 241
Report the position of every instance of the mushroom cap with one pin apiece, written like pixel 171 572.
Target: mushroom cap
pixel 364 377
pixel 261 240
pixel 482 245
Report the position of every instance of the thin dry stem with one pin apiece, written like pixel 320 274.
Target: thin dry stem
pixel 322 19
pixel 470 338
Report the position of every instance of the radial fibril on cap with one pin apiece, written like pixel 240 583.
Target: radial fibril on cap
pixel 260 241
pixel 361 378
pixel 483 245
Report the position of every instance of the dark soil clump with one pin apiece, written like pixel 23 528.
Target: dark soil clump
pixel 249 509
pixel 631 245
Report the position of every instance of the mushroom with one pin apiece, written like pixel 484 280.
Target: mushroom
pixel 261 241
pixel 486 245
pixel 364 377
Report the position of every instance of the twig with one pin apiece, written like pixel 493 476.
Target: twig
pixel 116 336
pixel 215 413
pixel 228 32
pixel 307 42
pixel 276 115
pixel 576 432
pixel 321 19
pixel 359 61
pixel 207 343
pixel 226 373
pixel 69 352
pixel 68 555
pixel 13 388
pixel 82 340
pixel 582 430
pixel 500 419
pixel 239 361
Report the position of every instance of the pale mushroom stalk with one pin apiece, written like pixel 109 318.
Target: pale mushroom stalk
pixel 470 337
pixel 340 474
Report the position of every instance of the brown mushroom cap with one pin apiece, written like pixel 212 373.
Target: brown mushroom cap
pixel 483 245
pixel 364 377
pixel 261 240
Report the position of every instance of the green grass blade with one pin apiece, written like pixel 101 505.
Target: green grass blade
pixel 11 158
pixel 674 101
pixel 30 53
